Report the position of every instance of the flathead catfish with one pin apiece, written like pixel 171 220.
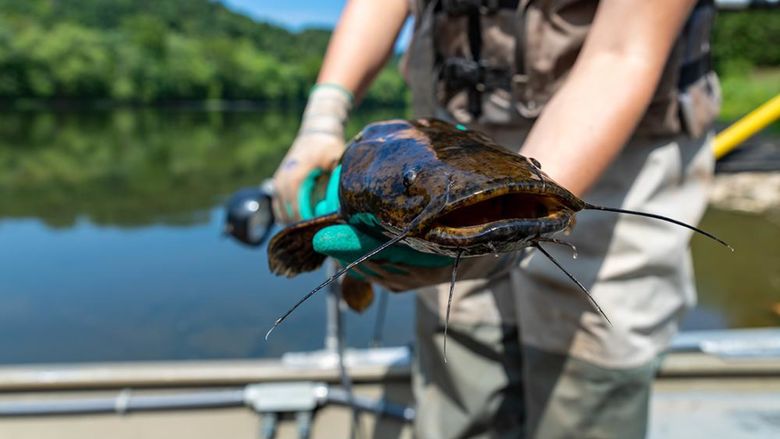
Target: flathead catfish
pixel 439 189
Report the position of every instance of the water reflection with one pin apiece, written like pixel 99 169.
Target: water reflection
pixel 740 289
pixel 111 246
pixel 131 168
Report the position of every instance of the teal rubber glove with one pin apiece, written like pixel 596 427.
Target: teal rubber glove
pixel 346 243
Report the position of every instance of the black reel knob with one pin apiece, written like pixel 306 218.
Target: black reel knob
pixel 249 214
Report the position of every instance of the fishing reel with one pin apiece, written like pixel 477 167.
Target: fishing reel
pixel 249 214
pixel 249 211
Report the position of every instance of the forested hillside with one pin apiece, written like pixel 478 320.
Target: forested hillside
pixel 157 50
pixel 149 51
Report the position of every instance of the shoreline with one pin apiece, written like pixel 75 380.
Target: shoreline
pixel 748 192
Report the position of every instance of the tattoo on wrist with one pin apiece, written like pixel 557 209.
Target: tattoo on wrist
pixel 289 164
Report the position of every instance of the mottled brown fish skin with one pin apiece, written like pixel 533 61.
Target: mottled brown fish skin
pixel 393 170
pixel 438 189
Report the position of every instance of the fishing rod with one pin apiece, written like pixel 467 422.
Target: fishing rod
pixel 249 219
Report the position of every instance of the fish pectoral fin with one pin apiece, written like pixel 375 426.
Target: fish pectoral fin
pixel 357 293
pixel 290 251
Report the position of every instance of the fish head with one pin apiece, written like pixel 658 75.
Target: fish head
pixel 454 190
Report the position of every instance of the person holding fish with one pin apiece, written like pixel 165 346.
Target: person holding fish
pixel 614 100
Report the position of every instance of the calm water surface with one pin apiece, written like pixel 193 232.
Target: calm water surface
pixel 111 245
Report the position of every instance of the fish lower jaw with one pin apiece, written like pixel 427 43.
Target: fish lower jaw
pixel 495 237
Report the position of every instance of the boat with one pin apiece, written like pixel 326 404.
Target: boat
pixel 709 383
pixel 723 383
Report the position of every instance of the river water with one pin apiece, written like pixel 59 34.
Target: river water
pixel 111 243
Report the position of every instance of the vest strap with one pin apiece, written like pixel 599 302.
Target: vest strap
pixel 469 7
pixel 696 57
pixel 693 71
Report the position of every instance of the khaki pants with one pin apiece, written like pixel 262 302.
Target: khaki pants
pixel 528 356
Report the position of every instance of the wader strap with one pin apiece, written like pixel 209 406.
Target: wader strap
pixel 475 44
pixel 421 61
pixel 472 7
pixel 696 57
pixel 694 70
pixel 698 94
pixel 471 74
pixel 520 79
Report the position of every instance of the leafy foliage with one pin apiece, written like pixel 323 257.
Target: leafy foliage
pixel 158 50
pixel 744 91
pixel 747 59
pixel 747 37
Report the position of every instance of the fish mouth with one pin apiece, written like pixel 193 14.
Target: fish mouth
pixel 501 219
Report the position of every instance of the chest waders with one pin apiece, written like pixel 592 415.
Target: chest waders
pixel 500 61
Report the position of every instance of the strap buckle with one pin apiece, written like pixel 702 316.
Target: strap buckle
pixel 460 73
pixel 463 73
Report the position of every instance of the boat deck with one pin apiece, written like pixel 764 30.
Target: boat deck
pixel 731 391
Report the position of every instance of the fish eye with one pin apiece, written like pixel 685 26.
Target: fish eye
pixel 410 175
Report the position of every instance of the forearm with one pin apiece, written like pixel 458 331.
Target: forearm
pixel 592 116
pixel 362 42
pixel 586 124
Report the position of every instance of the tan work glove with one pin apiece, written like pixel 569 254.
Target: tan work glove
pixel 319 144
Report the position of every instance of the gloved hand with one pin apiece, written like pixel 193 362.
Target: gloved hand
pixel 398 268
pixel 318 145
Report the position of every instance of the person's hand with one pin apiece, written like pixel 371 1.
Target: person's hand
pixel 309 152
pixel 319 145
